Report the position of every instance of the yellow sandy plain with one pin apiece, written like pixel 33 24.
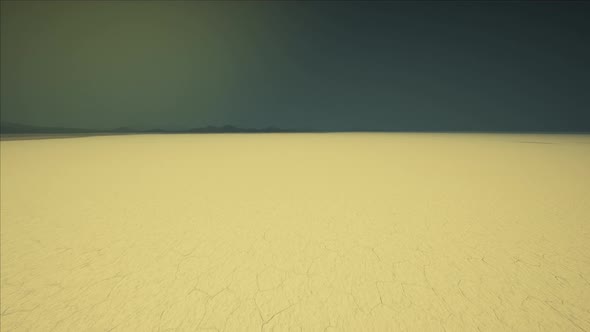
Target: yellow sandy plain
pixel 290 232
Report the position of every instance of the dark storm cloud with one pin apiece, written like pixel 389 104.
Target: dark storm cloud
pixel 316 65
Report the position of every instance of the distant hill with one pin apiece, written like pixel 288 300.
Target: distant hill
pixel 18 128
pixel 233 129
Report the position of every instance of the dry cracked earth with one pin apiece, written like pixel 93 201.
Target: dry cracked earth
pixel 296 232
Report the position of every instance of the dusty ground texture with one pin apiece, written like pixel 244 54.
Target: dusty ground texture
pixel 313 232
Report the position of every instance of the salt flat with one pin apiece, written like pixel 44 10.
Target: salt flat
pixel 313 232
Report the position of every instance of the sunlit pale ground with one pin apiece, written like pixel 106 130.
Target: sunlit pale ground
pixel 313 232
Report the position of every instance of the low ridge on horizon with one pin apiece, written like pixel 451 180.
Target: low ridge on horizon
pixel 20 128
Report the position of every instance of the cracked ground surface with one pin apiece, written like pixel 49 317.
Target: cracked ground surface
pixel 296 232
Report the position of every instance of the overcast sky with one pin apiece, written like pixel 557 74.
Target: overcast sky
pixel 484 66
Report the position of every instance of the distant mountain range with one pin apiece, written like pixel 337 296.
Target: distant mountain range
pixel 19 128
pixel 7 128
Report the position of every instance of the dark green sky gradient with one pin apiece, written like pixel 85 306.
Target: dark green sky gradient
pixel 327 65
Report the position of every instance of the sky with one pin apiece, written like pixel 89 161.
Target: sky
pixel 336 66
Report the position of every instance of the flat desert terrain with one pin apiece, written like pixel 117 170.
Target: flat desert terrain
pixel 296 232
